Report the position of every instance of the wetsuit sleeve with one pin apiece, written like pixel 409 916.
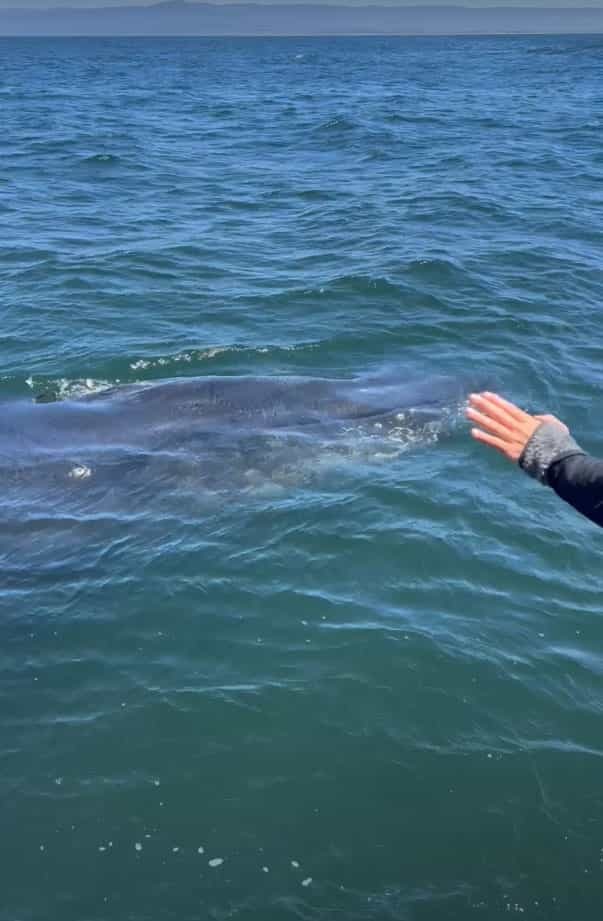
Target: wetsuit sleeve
pixel 556 460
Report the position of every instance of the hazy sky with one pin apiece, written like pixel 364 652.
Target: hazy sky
pixel 568 4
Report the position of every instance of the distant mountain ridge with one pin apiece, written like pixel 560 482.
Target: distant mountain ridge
pixel 176 17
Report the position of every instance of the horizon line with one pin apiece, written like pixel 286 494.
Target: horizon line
pixel 316 34
pixel 308 3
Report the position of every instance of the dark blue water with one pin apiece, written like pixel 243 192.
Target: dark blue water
pixel 366 677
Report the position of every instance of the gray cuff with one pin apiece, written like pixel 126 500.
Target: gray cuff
pixel 549 443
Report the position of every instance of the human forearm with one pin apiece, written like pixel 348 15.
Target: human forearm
pixel 553 457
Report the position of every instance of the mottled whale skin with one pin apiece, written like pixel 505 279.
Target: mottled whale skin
pixel 141 415
pixel 215 428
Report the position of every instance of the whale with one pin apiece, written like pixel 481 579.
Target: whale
pixel 222 429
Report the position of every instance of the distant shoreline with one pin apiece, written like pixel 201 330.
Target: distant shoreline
pixel 294 35
pixel 179 19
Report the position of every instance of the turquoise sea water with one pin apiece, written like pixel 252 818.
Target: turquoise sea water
pixel 371 684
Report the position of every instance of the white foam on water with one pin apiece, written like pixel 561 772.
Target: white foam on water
pixel 81 472
pixel 141 364
pixel 212 351
pixel 66 389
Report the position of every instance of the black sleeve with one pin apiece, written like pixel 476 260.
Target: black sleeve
pixel 553 458
pixel 579 480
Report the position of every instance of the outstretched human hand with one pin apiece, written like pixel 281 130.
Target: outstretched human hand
pixel 503 425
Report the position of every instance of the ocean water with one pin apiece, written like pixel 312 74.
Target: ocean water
pixel 362 683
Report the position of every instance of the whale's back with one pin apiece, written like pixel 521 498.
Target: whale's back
pixel 222 432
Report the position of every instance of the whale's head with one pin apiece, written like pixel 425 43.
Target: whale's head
pixel 391 399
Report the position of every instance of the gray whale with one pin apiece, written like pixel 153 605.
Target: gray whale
pixel 219 424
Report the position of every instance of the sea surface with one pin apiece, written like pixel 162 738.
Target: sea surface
pixel 366 685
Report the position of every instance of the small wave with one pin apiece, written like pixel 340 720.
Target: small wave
pixel 377 155
pixel 110 161
pixel 64 389
pixel 364 284
pixel 397 118
pixel 339 123
pixel 142 364
pixel 49 390
pixel 316 195
pixel 193 356
pixel 104 158
pixel 564 50
pixel 436 271
pixel 353 285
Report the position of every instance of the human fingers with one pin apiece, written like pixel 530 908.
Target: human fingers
pixel 494 442
pixel 509 407
pixel 491 425
pixel 490 408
